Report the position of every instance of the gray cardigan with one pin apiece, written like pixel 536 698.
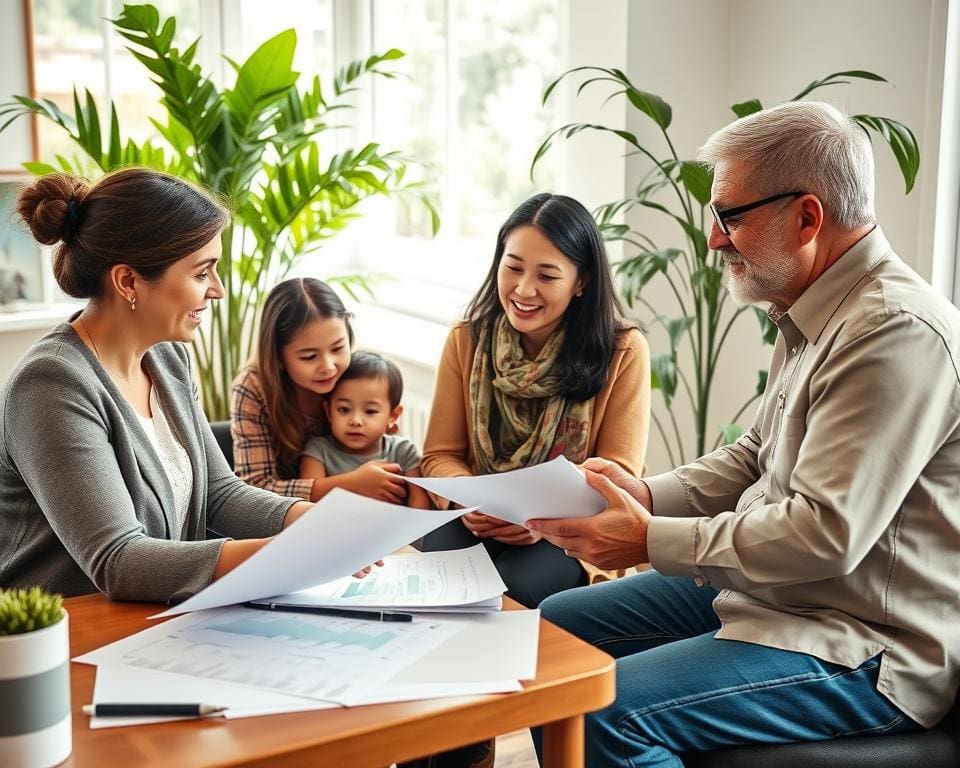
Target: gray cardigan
pixel 85 504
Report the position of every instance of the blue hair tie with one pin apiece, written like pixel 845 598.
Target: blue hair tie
pixel 73 216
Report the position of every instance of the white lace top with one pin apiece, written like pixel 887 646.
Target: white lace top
pixel 173 457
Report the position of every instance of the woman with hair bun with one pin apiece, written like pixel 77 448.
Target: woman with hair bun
pixel 109 473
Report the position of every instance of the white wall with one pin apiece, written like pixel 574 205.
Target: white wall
pixel 704 56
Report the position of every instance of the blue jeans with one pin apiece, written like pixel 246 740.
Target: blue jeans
pixel 679 688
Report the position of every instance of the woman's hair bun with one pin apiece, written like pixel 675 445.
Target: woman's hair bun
pixel 52 206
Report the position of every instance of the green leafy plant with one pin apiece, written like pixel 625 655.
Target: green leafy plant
pixel 679 189
pixel 256 144
pixel 26 610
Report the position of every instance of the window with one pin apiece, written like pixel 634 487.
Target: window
pixel 467 105
pixel 258 21
pixel 75 46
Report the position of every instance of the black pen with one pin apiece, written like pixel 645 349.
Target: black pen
pixel 146 709
pixel 346 613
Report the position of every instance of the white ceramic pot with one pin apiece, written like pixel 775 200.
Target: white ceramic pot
pixel 35 727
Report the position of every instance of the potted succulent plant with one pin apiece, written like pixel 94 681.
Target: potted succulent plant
pixel 35 725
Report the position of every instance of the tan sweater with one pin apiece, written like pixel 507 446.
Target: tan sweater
pixel 621 413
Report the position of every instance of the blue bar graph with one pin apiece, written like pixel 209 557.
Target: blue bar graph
pixel 297 630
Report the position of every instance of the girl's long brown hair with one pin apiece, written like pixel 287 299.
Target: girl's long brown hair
pixel 289 307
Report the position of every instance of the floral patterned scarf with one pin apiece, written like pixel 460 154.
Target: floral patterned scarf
pixel 519 418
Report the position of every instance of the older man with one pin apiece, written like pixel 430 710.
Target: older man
pixel 805 580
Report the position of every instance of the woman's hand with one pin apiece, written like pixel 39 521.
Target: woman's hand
pixel 486 527
pixel 377 480
pixel 364 571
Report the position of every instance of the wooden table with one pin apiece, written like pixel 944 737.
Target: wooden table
pixel 572 678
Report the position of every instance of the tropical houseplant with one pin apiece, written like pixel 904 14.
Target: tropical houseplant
pixel 255 143
pixel 679 189
pixel 35 672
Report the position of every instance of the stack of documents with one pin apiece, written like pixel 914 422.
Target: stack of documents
pixel 462 581
pixel 460 656
pixel 255 662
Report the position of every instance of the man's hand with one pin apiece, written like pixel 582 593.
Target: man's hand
pixel 486 527
pixel 622 479
pixel 615 538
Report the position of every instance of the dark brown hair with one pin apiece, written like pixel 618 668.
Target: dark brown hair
pixel 289 307
pixel 369 365
pixel 135 216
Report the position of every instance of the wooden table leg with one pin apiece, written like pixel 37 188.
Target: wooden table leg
pixel 563 743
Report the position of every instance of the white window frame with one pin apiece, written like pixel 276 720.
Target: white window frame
pixel 946 243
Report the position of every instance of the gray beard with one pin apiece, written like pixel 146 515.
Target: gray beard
pixel 753 287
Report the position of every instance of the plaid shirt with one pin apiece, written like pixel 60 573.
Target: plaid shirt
pixel 254 453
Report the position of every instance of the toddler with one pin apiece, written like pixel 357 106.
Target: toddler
pixel 362 409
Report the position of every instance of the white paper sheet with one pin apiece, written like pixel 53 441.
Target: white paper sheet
pixel 341 534
pixel 318 657
pixel 463 579
pixel 553 489
pixel 489 656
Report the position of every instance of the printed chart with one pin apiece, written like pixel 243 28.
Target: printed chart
pixel 319 657
pixel 464 579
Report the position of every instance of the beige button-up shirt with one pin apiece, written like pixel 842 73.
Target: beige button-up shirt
pixel 832 527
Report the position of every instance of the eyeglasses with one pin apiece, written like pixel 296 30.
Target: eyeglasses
pixel 721 216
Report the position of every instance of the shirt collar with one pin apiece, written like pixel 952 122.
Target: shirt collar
pixel 816 305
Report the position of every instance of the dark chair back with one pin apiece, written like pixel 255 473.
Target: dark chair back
pixel 221 431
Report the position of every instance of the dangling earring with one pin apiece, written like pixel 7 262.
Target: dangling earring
pixel 133 303
pixel 580 293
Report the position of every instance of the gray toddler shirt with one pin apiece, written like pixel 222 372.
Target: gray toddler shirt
pixel 337 461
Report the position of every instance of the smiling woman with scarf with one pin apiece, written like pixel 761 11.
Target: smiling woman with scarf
pixel 543 365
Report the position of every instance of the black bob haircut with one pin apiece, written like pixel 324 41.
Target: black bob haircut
pixel 593 320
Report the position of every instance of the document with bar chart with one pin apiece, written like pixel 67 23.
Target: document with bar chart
pixel 461 580
pixel 318 657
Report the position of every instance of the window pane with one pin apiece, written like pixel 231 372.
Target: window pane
pixel 313 22
pixel 507 52
pixel 136 97
pixel 68 50
pixel 468 106
pixel 70 43
pixel 410 113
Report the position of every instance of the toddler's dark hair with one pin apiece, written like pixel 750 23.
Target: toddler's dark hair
pixel 369 365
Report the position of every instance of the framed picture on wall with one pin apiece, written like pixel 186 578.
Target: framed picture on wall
pixel 23 262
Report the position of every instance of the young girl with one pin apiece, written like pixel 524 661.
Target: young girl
pixel 542 365
pixel 278 400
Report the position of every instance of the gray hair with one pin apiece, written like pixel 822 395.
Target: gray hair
pixel 807 146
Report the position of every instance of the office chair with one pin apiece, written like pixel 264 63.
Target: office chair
pixel 937 748
pixel 221 431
